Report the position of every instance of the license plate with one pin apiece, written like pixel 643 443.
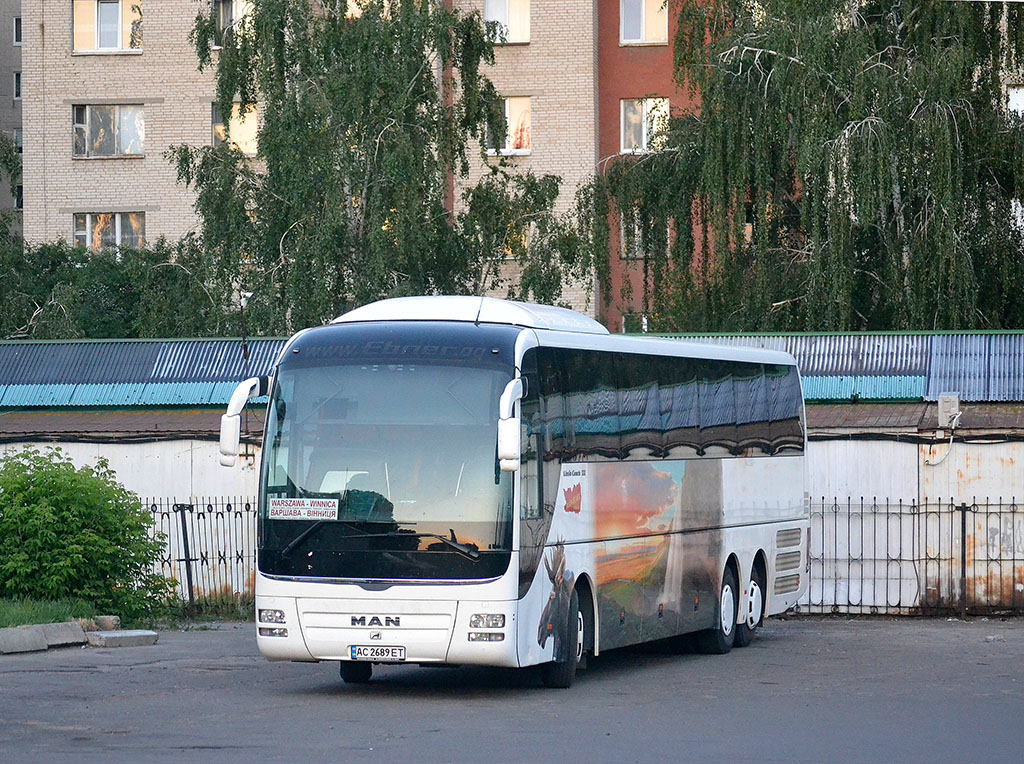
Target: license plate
pixel 376 653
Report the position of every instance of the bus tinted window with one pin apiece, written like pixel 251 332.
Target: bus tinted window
pixel 606 405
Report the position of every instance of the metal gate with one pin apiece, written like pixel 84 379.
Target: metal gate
pixel 895 557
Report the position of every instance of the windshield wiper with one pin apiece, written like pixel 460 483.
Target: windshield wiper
pixel 470 552
pixel 453 543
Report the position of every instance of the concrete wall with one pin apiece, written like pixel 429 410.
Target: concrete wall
pixel 885 469
pixel 176 469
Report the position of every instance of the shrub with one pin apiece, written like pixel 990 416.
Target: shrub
pixel 78 533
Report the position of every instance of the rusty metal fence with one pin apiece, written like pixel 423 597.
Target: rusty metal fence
pixel 867 556
pixel 210 544
pixel 878 556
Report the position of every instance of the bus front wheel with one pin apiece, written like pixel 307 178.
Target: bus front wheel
pixel 560 673
pixel 719 639
pixel 356 672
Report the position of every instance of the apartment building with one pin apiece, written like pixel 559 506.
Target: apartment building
pixel 109 86
pixel 10 90
pixel 584 81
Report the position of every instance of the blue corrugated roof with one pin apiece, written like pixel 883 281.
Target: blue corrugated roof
pixel 980 366
pixel 128 372
pixel 835 367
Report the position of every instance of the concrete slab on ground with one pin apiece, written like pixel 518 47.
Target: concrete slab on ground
pixel 128 638
pixel 22 639
pixel 63 634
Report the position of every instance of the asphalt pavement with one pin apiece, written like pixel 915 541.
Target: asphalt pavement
pixel 807 690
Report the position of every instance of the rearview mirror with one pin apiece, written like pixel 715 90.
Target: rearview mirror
pixel 509 435
pixel 231 423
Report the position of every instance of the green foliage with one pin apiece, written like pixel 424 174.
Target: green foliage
pixel 58 291
pixel 867 145
pixel 365 121
pixel 75 533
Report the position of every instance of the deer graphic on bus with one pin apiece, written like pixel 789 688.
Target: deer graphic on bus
pixel 556 612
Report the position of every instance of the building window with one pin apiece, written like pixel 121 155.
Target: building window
pixel 18 140
pixel 108 131
pixel 17 86
pixel 643 22
pixel 107 25
pixel 513 15
pixel 106 230
pixel 227 13
pixel 17 30
pixel 241 129
pixel 643 119
pixel 517 120
pixel 19 197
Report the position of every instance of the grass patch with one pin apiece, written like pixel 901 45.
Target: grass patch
pixel 220 607
pixel 24 612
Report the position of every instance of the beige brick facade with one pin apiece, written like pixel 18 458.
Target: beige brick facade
pixel 10 106
pixel 557 70
pixel 163 77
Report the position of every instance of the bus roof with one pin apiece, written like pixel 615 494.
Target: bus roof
pixel 487 310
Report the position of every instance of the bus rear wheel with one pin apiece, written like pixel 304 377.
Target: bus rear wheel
pixel 719 639
pixel 560 673
pixel 356 672
pixel 754 611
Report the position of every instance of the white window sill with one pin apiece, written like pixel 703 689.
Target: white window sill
pixel 642 44
pixel 630 152
pixel 509 152
pixel 508 43
pixel 108 52
pixel 78 157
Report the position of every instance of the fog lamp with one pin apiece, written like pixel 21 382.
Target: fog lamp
pixel 271 616
pixel 264 632
pixel 486 636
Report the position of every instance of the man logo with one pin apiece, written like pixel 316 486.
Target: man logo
pixel 374 620
pixel 375 635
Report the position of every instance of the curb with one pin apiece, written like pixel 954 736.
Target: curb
pixel 27 639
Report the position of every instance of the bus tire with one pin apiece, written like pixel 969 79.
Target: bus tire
pixel 560 674
pixel 356 672
pixel 755 609
pixel 719 639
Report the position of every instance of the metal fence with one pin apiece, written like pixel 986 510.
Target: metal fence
pixel 210 546
pixel 867 556
pixel 894 557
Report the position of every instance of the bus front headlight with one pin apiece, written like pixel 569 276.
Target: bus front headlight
pixel 487 621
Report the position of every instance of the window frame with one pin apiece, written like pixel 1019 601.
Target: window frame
pixel 216 141
pixel 118 228
pixel 645 123
pixel 506 150
pixel 642 40
pixel 16 86
pixel 17 31
pixel 119 154
pixel 96 49
pixel 508 12
pixel 18 138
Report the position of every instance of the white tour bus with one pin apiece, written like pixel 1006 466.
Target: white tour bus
pixel 473 481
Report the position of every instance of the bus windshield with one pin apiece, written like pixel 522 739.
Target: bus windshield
pixel 385 471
